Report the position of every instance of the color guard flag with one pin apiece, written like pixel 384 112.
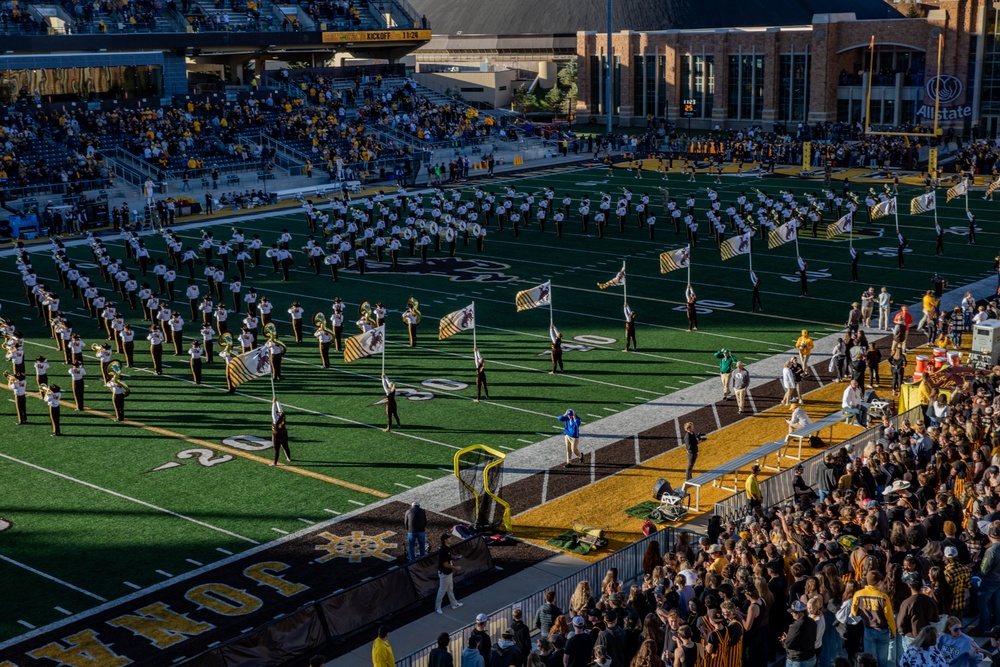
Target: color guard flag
pixel 617 281
pixel 366 344
pixel 923 203
pixel 957 190
pixel 738 245
pixel 842 226
pixel 786 233
pixel 460 320
pixel 992 186
pixel 882 209
pixel 534 297
pixel 675 259
pixel 249 365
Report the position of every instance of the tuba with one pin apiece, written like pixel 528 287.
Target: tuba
pixel 319 321
pixel 413 305
pixel 365 311
pixel 115 373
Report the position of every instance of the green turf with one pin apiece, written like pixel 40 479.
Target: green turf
pixel 567 542
pixel 334 426
pixel 643 510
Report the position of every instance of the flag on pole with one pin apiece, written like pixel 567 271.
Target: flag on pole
pixel 957 190
pixel 366 344
pixel 992 186
pixel 923 203
pixel 675 259
pixel 786 233
pixel 882 209
pixel 534 297
pixel 249 365
pixel 460 320
pixel 617 281
pixel 738 245
pixel 842 226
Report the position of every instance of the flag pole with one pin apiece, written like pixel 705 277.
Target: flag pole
pixel 383 351
pixel 689 264
pixel 624 284
pixel 966 194
pixel 474 344
pixel 896 213
pixel 551 320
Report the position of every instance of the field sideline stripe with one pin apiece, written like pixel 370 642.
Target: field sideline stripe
pixel 51 578
pixel 134 500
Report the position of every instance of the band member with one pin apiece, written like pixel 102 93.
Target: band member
pixel 52 397
pixel 192 293
pixel 264 308
pixel 410 318
pixel 156 339
pixel 227 356
pixel 480 375
pixel 854 264
pixel 196 353
pixel 691 308
pixel 630 329
pixel 279 432
pixel 325 339
pixel 117 399
pixel 78 373
pixel 207 334
pixel 333 261
pixel 337 318
pixel 247 339
pixel 103 355
pixel 755 301
pixel 389 387
pixel 296 313
pixel 277 351
pixel 20 388
pixel 221 315
pixel 75 347
pixel 556 351
pixel 234 288
pixel 41 372
pixel 251 301
pixel 206 307
pixel 16 358
pixel 176 332
pixel 380 313
pixel 803 281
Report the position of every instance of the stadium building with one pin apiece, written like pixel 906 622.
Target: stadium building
pixel 741 64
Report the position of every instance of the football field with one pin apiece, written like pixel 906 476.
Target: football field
pixel 114 508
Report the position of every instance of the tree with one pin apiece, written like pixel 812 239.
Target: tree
pixel 554 99
pixel 523 100
pixel 567 75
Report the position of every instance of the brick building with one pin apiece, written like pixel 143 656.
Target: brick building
pixel 795 71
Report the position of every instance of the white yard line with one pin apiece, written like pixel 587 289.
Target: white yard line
pixel 51 578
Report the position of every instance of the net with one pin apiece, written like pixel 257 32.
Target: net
pixel 479 471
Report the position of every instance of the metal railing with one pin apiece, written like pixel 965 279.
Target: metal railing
pixel 778 488
pixel 627 560
pixel 15 192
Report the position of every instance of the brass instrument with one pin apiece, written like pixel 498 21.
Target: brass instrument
pixel 226 342
pixel 365 311
pixel 271 331
pixel 114 376
pixel 413 305
pixel 270 253
pixel 9 377
pixel 43 389
pixel 319 321
pixel 97 347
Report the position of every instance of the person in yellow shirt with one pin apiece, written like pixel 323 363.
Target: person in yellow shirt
pixel 804 345
pixel 754 496
pixel 719 562
pixel 381 650
pixel 930 305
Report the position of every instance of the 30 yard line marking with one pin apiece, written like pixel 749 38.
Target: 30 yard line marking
pixel 527 442
pixel 509 449
pixel 595 416
pixel 134 500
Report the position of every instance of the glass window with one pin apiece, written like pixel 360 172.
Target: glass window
pixel 746 87
pixel 698 82
pixel 793 91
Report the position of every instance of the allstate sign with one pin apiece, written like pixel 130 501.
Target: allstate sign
pixel 946 89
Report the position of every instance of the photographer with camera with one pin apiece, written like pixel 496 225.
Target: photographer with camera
pixel 691 440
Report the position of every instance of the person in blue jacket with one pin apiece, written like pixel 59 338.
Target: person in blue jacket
pixel 571 433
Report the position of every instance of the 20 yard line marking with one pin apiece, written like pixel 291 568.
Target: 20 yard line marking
pixel 135 500
pixel 311 523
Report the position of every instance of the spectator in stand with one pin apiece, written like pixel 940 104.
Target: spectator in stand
pixel 579 645
pixel 958 648
pixel 799 641
pixel 547 614
pixel 875 609
pixel 916 612
pixel 485 643
pixel 923 652
pixel 505 653
pixel 471 655
pixel 522 635
pixel 415 522
pixel 989 574
pixel 440 656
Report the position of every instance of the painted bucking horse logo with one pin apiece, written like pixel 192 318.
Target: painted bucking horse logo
pixel 375 341
pixel 452 268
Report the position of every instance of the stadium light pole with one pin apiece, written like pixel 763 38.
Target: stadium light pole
pixel 608 76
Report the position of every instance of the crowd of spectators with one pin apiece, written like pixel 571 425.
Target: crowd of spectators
pixel 879 562
pixel 335 10
pixel 22 165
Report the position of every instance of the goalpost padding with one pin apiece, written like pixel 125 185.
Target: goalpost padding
pixel 479 470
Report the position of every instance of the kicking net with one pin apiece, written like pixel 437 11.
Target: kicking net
pixel 479 470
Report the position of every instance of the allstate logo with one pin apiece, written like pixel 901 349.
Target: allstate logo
pixel 950 88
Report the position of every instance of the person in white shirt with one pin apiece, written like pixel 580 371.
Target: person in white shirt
pixel 798 419
pixel 852 406
pixel 52 397
pixel 787 383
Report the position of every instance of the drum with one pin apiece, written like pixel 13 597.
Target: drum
pixel 923 366
pixel 954 358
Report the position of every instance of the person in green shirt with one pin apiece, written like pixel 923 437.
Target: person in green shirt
pixel 727 362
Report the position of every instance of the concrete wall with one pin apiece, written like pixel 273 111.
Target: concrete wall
pixel 497 87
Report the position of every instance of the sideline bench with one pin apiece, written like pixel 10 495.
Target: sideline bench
pixel 732 467
pixel 809 430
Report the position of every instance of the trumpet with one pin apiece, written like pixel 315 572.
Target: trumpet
pixel 319 321
pixel 365 311
pixel 114 375
pixel 413 306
